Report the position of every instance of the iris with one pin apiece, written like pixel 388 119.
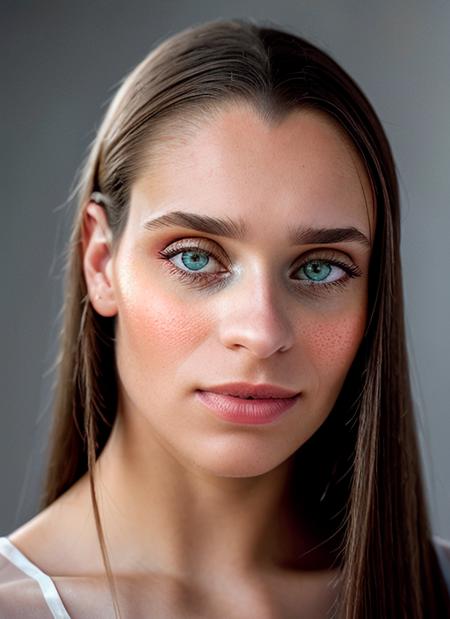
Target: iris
pixel 199 260
pixel 317 270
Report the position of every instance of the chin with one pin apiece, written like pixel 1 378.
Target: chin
pixel 241 459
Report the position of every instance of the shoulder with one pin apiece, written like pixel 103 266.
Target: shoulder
pixel 20 596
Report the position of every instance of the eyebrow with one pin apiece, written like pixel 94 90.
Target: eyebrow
pixel 300 235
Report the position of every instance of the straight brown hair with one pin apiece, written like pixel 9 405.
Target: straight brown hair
pixel 373 514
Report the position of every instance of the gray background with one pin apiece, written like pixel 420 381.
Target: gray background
pixel 61 62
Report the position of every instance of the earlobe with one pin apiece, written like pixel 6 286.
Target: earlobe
pixel 96 251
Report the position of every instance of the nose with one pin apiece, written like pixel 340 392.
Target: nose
pixel 253 318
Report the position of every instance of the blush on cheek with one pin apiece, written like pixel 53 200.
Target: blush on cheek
pixel 334 340
pixel 166 326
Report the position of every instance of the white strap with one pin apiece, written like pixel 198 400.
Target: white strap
pixel 46 584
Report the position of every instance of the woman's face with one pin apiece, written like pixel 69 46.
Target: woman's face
pixel 263 308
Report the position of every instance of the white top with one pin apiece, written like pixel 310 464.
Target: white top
pixel 42 599
pixel 10 579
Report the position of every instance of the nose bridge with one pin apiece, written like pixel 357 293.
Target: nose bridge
pixel 254 314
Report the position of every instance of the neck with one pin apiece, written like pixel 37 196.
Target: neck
pixel 160 514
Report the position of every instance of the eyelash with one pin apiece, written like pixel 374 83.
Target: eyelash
pixel 351 270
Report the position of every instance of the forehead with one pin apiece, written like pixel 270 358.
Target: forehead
pixel 236 161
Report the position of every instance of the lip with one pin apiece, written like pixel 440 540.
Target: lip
pixel 238 410
pixel 259 391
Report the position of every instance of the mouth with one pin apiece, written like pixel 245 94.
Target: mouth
pixel 246 409
pixel 248 391
pixel 250 397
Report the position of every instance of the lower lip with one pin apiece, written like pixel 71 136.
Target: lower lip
pixel 239 410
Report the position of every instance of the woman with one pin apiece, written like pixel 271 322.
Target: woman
pixel 237 237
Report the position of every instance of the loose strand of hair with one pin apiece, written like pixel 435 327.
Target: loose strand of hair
pixel 88 357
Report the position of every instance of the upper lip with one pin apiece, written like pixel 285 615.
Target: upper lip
pixel 243 390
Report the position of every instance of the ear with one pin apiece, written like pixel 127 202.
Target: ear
pixel 97 259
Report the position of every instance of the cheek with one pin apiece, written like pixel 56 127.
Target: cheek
pixel 158 323
pixel 168 323
pixel 333 340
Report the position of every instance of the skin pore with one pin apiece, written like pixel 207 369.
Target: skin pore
pixel 181 492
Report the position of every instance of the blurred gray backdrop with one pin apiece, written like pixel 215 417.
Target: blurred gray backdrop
pixel 61 62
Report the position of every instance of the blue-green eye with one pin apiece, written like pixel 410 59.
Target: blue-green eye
pixel 194 259
pixel 187 263
pixel 317 270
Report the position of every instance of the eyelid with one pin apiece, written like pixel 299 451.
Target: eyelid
pixel 197 243
pixel 325 253
pixel 209 245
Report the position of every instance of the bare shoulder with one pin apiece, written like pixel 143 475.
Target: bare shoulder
pixel 20 596
pixel 58 539
pixel 37 540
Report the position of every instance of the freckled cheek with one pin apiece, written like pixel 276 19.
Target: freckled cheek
pixel 332 341
pixel 158 325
